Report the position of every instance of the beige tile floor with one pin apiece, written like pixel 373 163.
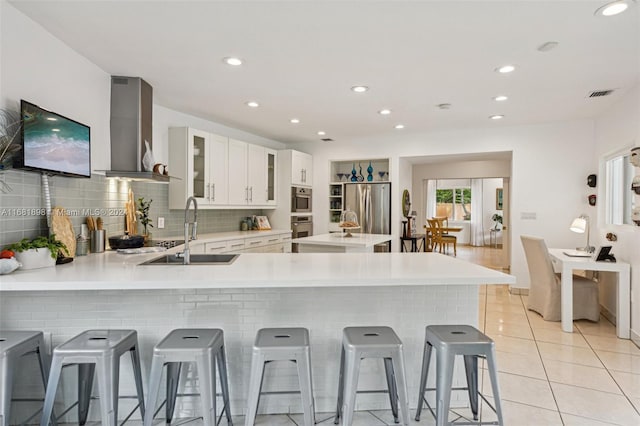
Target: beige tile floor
pixel 548 377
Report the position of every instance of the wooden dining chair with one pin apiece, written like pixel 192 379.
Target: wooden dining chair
pixel 437 226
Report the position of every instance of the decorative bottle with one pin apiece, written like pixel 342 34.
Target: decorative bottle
pixel 370 171
pixel 360 176
pixel 354 178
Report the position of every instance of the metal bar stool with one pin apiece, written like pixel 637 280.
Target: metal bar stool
pixel 202 346
pixel 371 342
pixel 93 349
pixel 13 346
pixel 281 344
pixel 449 341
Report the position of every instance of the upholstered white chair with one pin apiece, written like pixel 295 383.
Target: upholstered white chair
pixel 544 290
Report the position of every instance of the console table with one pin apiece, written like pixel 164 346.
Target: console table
pixel 567 264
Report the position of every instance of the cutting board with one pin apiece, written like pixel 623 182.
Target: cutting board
pixel 62 227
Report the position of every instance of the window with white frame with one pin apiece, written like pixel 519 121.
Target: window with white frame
pixel 453 199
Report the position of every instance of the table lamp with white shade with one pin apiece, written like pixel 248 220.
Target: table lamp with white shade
pixel 581 225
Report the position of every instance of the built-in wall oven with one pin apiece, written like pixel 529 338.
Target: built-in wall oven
pixel 301 226
pixel 300 200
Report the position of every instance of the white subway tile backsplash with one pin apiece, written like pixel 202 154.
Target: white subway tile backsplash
pixel 98 194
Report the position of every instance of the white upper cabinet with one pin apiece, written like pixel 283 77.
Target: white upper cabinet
pixel 238 187
pixel 301 169
pixel 219 172
pixel 252 174
pixel 199 160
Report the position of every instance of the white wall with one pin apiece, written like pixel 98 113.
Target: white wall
pixel 549 169
pixel 41 69
pixel 618 129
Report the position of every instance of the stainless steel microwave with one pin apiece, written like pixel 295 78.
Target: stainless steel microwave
pixel 300 200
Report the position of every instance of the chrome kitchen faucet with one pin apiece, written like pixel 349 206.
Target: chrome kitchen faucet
pixel 186 255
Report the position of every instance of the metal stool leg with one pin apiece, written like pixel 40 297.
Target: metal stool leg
pixel 303 362
pixel 391 385
pixel 85 385
pixel 351 373
pixel 471 371
pixel 154 388
pixel 173 379
pixel 108 378
pixel 50 394
pixel 493 373
pixel 401 385
pixel 426 357
pixel 44 362
pixel 444 377
pixel 255 385
pixel 207 376
pixel 340 387
pixel 6 371
pixel 224 382
pixel 137 374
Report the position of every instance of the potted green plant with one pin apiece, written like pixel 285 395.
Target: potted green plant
pixel 143 213
pixel 38 252
pixel 497 218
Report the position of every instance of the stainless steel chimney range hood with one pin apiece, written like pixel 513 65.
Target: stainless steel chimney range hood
pixel 131 126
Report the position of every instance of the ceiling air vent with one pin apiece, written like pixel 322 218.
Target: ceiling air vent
pixel 599 93
pixel 327 139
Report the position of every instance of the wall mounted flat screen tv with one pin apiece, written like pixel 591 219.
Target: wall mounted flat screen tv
pixel 52 143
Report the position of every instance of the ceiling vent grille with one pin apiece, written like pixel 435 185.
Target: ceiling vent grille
pixel 599 93
pixel 327 139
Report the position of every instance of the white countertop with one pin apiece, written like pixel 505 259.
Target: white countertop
pixel 341 239
pixel 113 271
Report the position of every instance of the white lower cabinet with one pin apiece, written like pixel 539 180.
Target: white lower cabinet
pixel 272 243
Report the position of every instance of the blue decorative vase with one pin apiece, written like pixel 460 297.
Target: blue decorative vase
pixel 354 178
pixel 370 171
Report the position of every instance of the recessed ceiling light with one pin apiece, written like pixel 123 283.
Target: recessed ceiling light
pixel 359 89
pixel 253 104
pixel 233 61
pixel 613 8
pixel 496 117
pixel 500 98
pixel 505 69
pixel 321 133
pixel 399 126
pixel 384 112
pixel 294 121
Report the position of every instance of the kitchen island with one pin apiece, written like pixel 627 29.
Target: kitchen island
pixel 339 242
pixel 322 292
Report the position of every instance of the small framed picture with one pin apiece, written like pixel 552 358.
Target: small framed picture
pixel 499 199
pixel 263 223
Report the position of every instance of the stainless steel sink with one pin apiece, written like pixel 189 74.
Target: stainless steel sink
pixel 195 259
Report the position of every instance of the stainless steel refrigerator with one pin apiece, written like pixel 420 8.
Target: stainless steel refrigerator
pixel 371 202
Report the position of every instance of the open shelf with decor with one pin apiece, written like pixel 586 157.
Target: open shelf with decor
pixel 352 171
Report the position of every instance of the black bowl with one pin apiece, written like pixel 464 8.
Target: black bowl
pixel 126 241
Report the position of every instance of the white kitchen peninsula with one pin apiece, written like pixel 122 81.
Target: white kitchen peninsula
pixel 323 292
pixel 339 242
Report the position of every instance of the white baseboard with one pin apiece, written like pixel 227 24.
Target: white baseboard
pixel 611 316
pixel 635 338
